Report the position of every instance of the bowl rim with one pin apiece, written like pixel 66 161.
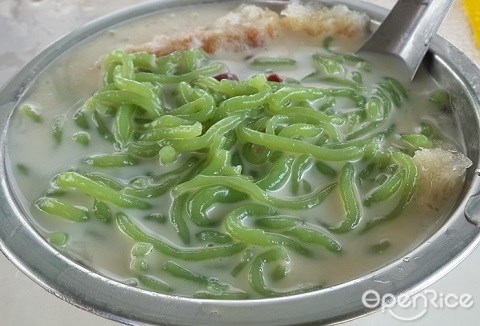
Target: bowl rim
pixel 95 293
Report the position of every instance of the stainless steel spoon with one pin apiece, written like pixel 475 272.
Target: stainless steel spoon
pixel 407 31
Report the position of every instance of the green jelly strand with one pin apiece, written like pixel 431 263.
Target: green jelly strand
pixel 206 198
pixel 58 208
pixel 248 187
pixel 221 127
pixel 154 284
pixel 387 189
pixel 297 228
pixel 259 281
pixel 300 166
pixel 133 231
pixel 101 211
pixel 234 225
pixel 350 200
pixel 111 160
pixel 278 175
pixel 283 144
pixel 124 127
pixel 209 70
pixel 407 164
pixel 100 191
pixel 177 218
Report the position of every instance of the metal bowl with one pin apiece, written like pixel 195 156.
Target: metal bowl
pixel 63 277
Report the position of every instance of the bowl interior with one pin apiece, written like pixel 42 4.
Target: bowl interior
pixel 91 291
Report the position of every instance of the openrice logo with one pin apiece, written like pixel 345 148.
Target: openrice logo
pixel 411 308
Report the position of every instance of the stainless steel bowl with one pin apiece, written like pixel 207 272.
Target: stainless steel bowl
pixel 63 277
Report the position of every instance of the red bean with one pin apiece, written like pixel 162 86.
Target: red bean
pixel 274 78
pixel 226 75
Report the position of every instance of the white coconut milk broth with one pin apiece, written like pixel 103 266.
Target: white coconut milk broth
pixel 75 76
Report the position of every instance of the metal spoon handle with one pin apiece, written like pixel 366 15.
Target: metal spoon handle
pixel 408 29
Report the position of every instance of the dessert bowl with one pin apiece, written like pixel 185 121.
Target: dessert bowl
pixel 75 283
